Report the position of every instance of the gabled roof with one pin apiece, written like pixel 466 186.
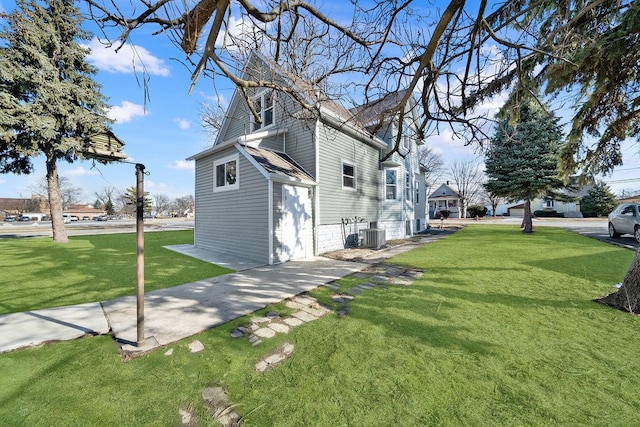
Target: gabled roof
pixel 446 191
pixel 379 110
pixel 278 164
pixel 329 111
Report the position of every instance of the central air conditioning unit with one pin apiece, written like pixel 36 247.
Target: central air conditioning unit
pixel 373 238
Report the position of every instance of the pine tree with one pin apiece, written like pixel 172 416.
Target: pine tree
pixel 522 161
pixel 599 201
pixel 49 103
pixel 108 207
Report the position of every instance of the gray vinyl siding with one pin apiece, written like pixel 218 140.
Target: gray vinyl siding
pixel 233 222
pixel 300 144
pixel 335 202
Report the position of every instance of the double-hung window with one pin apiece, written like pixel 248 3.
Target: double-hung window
pixel 225 174
pixel 391 184
pixel 263 104
pixel 349 176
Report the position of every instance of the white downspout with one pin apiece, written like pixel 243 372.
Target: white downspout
pixel 316 190
pixel 270 218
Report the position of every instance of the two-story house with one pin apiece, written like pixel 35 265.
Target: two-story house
pixel 303 181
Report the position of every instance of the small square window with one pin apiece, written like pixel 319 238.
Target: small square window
pixel 348 176
pixel 226 174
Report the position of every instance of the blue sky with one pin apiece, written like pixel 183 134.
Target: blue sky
pixel 161 132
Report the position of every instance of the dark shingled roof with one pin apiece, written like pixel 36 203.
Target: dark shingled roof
pixel 378 110
pixel 278 163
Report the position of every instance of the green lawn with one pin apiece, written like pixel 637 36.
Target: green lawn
pixel 500 330
pixel 37 273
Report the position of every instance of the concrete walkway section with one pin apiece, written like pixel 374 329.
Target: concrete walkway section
pixel 30 328
pixel 175 313
pixel 232 262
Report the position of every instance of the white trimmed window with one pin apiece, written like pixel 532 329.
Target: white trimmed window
pixel 549 203
pixel 225 174
pixel 416 185
pixel 349 177
pixel 391 184
pixel 407 135
pixel 263 104
pixel 407 187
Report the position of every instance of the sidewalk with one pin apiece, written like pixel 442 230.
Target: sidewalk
pixel 175 313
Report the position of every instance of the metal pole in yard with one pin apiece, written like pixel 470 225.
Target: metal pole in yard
pixel 140 252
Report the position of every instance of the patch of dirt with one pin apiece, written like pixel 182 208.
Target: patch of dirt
pixel 361 253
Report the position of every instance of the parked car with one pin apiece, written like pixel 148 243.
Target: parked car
pixel 24 218
pixel 100 218
pixel 9 218
pixel 85 218
pixel 625 219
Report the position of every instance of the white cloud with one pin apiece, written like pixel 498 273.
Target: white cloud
pixel 129 59
pixel 126 112
pixel 237 29
pixel 183 165
pixel 80 171
pixel 218 99
pixel 183 124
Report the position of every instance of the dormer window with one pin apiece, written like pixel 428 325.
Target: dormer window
pixel 263 104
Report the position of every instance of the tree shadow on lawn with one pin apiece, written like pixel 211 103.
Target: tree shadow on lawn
pixel 424 333
pixel 606 266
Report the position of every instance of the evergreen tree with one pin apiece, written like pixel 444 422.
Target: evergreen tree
pixel 599 201
pixel 131 199
pixel 49 103
pixel 522 160
pixel 108 207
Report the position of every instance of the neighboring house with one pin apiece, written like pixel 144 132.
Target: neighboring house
pixel 445 198
pixel 305 181
pixel 84 211
pixel 566 202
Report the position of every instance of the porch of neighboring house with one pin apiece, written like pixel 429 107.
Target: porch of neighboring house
pixel 438 205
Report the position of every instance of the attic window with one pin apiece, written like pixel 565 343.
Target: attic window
pixel 225 174
pixel 263 104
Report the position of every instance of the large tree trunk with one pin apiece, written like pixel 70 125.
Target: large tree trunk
pixel 55 199
pixel 527 221
pixel 627 298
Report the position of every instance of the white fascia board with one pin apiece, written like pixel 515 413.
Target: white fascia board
pixel 291 180
pixel 254 139
pixel 211 150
